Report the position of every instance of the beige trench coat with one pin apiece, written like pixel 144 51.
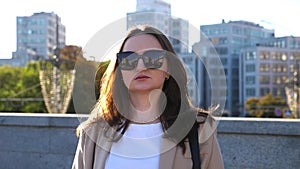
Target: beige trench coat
pixel 93 149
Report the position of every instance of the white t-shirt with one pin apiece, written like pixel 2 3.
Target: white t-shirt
pixel 138 148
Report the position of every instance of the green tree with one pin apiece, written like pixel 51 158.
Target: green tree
pixel 251 106
pixel 92 71
pixel 264 106
pixel 10 85
pixel 31 83
pixel 20 83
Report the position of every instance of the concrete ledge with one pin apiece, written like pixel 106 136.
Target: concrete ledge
pixel 41 120
pixel 41 141
pixel 258 143
pixel 49 141
pixel 259 126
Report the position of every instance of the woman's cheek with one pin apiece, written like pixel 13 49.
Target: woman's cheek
pixel 127 78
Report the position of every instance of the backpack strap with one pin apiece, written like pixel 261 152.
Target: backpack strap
pixel 193 139
pixel 194 146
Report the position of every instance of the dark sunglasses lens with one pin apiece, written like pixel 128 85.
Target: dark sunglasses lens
pixel 153 59
pixel 127 60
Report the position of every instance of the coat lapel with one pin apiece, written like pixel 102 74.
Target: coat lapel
pixel 100 157
pixel 173 157
pixel 167 155
pixel 102 147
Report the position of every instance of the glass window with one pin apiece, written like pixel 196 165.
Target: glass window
pixel 264 91
pixel 222 50
pixel 283 56
pixel 292 68
pixel 276 80
pixel 250 55
pixel 250 80
pixel 264 79
pixel 264 55
pixel 250 68
pixel 250 91
pixel 263 67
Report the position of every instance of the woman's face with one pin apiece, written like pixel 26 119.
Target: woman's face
pixel 141 78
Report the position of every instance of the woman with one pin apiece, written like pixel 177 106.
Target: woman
pixel 144 116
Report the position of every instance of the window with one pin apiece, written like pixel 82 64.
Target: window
pixel 222 50
pixel 282 56
pixel 250 92
pixel 294 55
pixel 263 67
pixel 250 55
pixel 292 68
pixel 277 80
pixel 250 80
pixel 264 79
pixel 283 78
pixel 223 41
pixel 275 56
pixel 237 30
pixel 279 68
pixel 214 40
pixel 264 55
pixel 250 68
pixel 264 91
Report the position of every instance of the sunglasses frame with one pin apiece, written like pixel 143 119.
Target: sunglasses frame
pixel 150 64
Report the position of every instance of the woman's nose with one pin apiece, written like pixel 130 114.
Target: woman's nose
pixel 140 65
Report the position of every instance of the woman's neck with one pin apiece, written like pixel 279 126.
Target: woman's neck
pixel 145 106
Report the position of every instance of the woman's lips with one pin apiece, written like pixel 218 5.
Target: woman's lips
pixel 141 77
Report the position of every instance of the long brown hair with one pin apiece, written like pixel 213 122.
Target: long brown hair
pixel 112 87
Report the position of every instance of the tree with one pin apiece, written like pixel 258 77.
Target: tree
pixel 251 106
pixel 92 71
pixel 17 83
pixel 265 106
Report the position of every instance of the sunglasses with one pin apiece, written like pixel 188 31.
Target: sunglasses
pixel 153 59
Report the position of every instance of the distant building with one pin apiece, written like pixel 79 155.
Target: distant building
pixel 191 62
pixel 157 13
pixel 38 36
pixel 20 58
pixel 153 6
pixel 266 67
pixel 228 40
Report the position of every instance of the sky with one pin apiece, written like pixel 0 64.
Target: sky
pixel 83 18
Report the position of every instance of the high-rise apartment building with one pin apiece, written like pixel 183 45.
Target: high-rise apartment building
pixel 228 39
pixel 40 33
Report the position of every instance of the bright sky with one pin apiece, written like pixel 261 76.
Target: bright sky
pixel 83 18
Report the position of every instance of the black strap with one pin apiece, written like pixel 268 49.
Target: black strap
pixel 194 146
